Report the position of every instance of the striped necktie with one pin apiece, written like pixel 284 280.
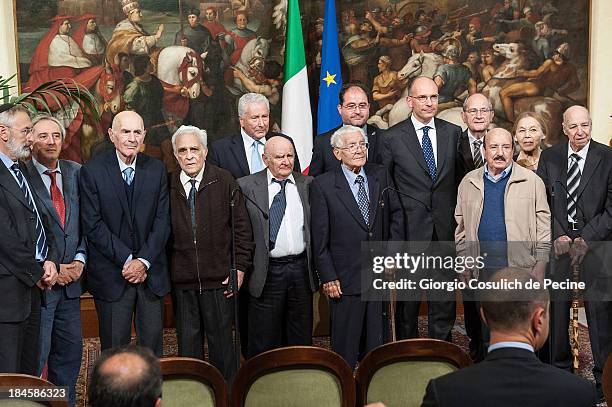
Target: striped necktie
pixel 573 181
pixel 41 238
pixel 477 154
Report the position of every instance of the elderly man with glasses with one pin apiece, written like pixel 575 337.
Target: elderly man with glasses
pixel 351 207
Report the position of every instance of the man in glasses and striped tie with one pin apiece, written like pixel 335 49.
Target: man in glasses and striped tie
pixel 27 251
pixel 579 172
pixel 349 206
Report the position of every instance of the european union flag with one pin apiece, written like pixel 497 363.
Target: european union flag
pixel 330 80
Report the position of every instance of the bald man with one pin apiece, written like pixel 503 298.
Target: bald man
pixel 580 174
pixel 282 279
pixel 124 377
pixel 126 220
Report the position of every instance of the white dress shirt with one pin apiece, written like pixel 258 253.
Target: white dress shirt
pixel 186 178
pixel 582 154
pixel 472 139
pixel 290 239
pixel 248 146
pixel 418 127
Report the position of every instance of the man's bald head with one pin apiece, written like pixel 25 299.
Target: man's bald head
pixel 126 377
pixel 577 127
pixel 279 156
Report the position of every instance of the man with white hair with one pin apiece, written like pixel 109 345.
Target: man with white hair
pixel 200 257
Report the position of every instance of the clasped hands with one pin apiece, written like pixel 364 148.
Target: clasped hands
pixel 134 271
pixel 49 277
pixel 576 248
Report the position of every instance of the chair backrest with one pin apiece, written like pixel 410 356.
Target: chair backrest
pixel 397 373
pixel 295 376
pixel 606 380
pixel 23 381
pixel 191 382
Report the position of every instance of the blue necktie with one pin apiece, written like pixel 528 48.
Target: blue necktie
pixel 191 200
pixel 429 154
pixel 362 199
pixel 41 238
pixel 277 212
pixel 128 175
pixel 256 161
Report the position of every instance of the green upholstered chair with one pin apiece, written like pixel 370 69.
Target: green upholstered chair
pixel 397 373
pixel 192 382
pixel 14 380
pixel 296 376
pixel 606 380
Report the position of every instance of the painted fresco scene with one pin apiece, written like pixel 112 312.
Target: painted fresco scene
pixel 188 61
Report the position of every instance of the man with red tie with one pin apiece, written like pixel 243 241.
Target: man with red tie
pixel 55 182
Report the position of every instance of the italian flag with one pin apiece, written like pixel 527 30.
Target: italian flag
pixel 296 121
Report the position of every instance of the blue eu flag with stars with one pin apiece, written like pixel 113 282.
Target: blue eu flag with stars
pixel 330 80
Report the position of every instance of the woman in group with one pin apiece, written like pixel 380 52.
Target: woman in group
pixel 529 131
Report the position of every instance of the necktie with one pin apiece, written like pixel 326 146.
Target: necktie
pixel 573 180
pixel 477 154
pixel 128 175
pixel 41 238
pixel 191 200
pixel 277 212
pixel 256 161
pixel 429 154
pixel 56 197
pixel 362 199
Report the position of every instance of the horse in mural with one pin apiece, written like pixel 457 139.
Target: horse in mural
pixel 251 62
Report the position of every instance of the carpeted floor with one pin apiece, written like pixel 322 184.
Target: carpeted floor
pixel 91 350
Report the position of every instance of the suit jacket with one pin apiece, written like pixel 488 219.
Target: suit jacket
pixel 465 160
pixel 431 205
pixel 68 240
pixel 594 194
pixel 19 270
pixel 114 232
pixel 323 158
pixel 340 228
pixel 255 186
pixel 228 153
pixel 510 377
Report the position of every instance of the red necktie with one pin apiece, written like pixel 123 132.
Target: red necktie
pixel 57 198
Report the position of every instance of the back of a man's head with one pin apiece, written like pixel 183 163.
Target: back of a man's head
pixel 513 307
pixel 126 377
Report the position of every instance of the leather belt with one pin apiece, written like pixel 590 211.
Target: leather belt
pixel 288 259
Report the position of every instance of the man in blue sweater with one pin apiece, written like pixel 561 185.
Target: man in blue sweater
pixel 502 212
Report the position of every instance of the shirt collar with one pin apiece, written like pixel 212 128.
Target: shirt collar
pixel 42 169
pixel 270 176
pixel 350 175
pixel 6 160
pixel 510 344
pixel 582 153
pixel 186 178
pixel 123 166
pixel 471 137
pixel 418 125
pixel 248 140
pixel 505 173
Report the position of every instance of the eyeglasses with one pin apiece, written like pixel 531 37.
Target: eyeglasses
pixel 360 106
pixel 353 148
pixel 474 112
pixel 24 132
pixel 423 98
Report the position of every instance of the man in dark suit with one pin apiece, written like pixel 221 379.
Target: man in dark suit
pixel 125 215
pixel 354 108
pixel 282 279
pixel 511 375
pixel 346 203
pixel 56 184
pixel 27 251
pixel 201 241
pixel 420 153
pixel 241 154
pixel 477 115
pixel 580 174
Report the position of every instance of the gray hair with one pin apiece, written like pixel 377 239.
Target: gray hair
pixel 44 116
pixel 249 99
pixel 466 101
pixel 190 130
pixel 7 118
pixel 347 129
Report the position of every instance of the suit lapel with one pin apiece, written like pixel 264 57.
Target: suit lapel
pixel 261 197
pixel 68 180
pixel 116 178
pixel 301 187
pixel 140 175
pixel 442 147
pixel 374 192
pixel 590 164
pixel 10 184
pixel 39 188
pixel 414 147
pixel 348 200
pixel 237 147
pixel 466 151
